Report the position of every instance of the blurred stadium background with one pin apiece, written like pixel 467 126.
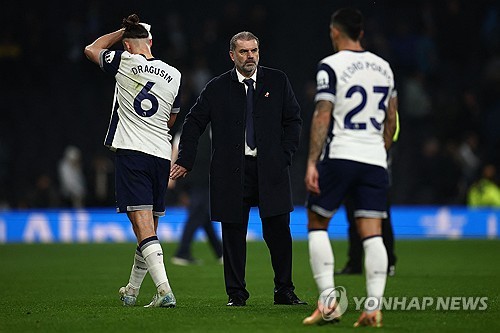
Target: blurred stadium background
pixel 445 55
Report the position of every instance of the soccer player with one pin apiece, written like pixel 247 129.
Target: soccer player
pixel 351 130
pixel 146 103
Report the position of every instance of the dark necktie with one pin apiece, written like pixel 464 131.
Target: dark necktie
pixel 249 123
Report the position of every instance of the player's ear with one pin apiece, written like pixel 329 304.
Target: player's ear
pixel 334 32
pixel 150 43
pixel 126 45
pixel 361 34
pixel 231 55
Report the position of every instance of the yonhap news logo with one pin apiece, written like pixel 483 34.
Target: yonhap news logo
pixel 448 303
pixel 332 303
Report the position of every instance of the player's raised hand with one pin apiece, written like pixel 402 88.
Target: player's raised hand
pixel 177 171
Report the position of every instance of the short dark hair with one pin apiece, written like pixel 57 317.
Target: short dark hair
pixel 350 21
pixel 244 35
pixel 133 29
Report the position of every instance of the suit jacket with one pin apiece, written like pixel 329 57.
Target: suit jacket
pixel 277 126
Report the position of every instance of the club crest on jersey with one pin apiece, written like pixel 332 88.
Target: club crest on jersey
pixel 108 57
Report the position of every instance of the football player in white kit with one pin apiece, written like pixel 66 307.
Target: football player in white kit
pixel 146 103
pixel 352 129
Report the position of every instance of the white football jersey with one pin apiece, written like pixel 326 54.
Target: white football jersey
pixel 359 84
pixel 146 93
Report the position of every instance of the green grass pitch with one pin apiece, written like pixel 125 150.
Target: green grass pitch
pixel 73 288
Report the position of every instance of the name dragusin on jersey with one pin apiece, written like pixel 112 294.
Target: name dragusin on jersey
pixel 152 70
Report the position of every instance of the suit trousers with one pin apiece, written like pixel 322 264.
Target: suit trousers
pixel 276 234
pixel 355 249
pixel 198 216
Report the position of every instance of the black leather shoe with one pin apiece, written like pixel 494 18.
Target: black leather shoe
pixel 348 270
pixel 236 301
pixel 287 297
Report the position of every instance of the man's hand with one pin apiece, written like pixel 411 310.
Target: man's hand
pixel 93 50
pixel 312 178
pixel 177 171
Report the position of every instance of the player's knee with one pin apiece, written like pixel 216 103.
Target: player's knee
pixel 316 221
pixel 369 227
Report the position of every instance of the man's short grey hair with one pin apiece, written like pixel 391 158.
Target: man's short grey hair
pixel 244 35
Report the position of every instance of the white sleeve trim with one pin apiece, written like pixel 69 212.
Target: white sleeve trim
pixel 100 57
pixel 323 96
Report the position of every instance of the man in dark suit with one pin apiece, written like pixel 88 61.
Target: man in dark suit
pixel 256 124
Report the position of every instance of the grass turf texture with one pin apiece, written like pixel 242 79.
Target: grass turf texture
pixel 74 288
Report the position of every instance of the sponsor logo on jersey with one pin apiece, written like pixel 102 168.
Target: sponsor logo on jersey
pixel 108 57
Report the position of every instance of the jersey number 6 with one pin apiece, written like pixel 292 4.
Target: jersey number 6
pixel 145 95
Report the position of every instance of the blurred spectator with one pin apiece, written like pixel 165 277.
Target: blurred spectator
pixel 416 108
pixel 471 113
pixel 416 104
pixel 485 192
pixel 44 194
pixel 71 178
pixel 102 181
pixel 469 160
pixel 436 174
pixel 200 75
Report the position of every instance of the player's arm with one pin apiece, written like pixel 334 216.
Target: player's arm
pixel 175 154
pixel 319 131
pixel 171 121
pixel 92 51
pixel 390 122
